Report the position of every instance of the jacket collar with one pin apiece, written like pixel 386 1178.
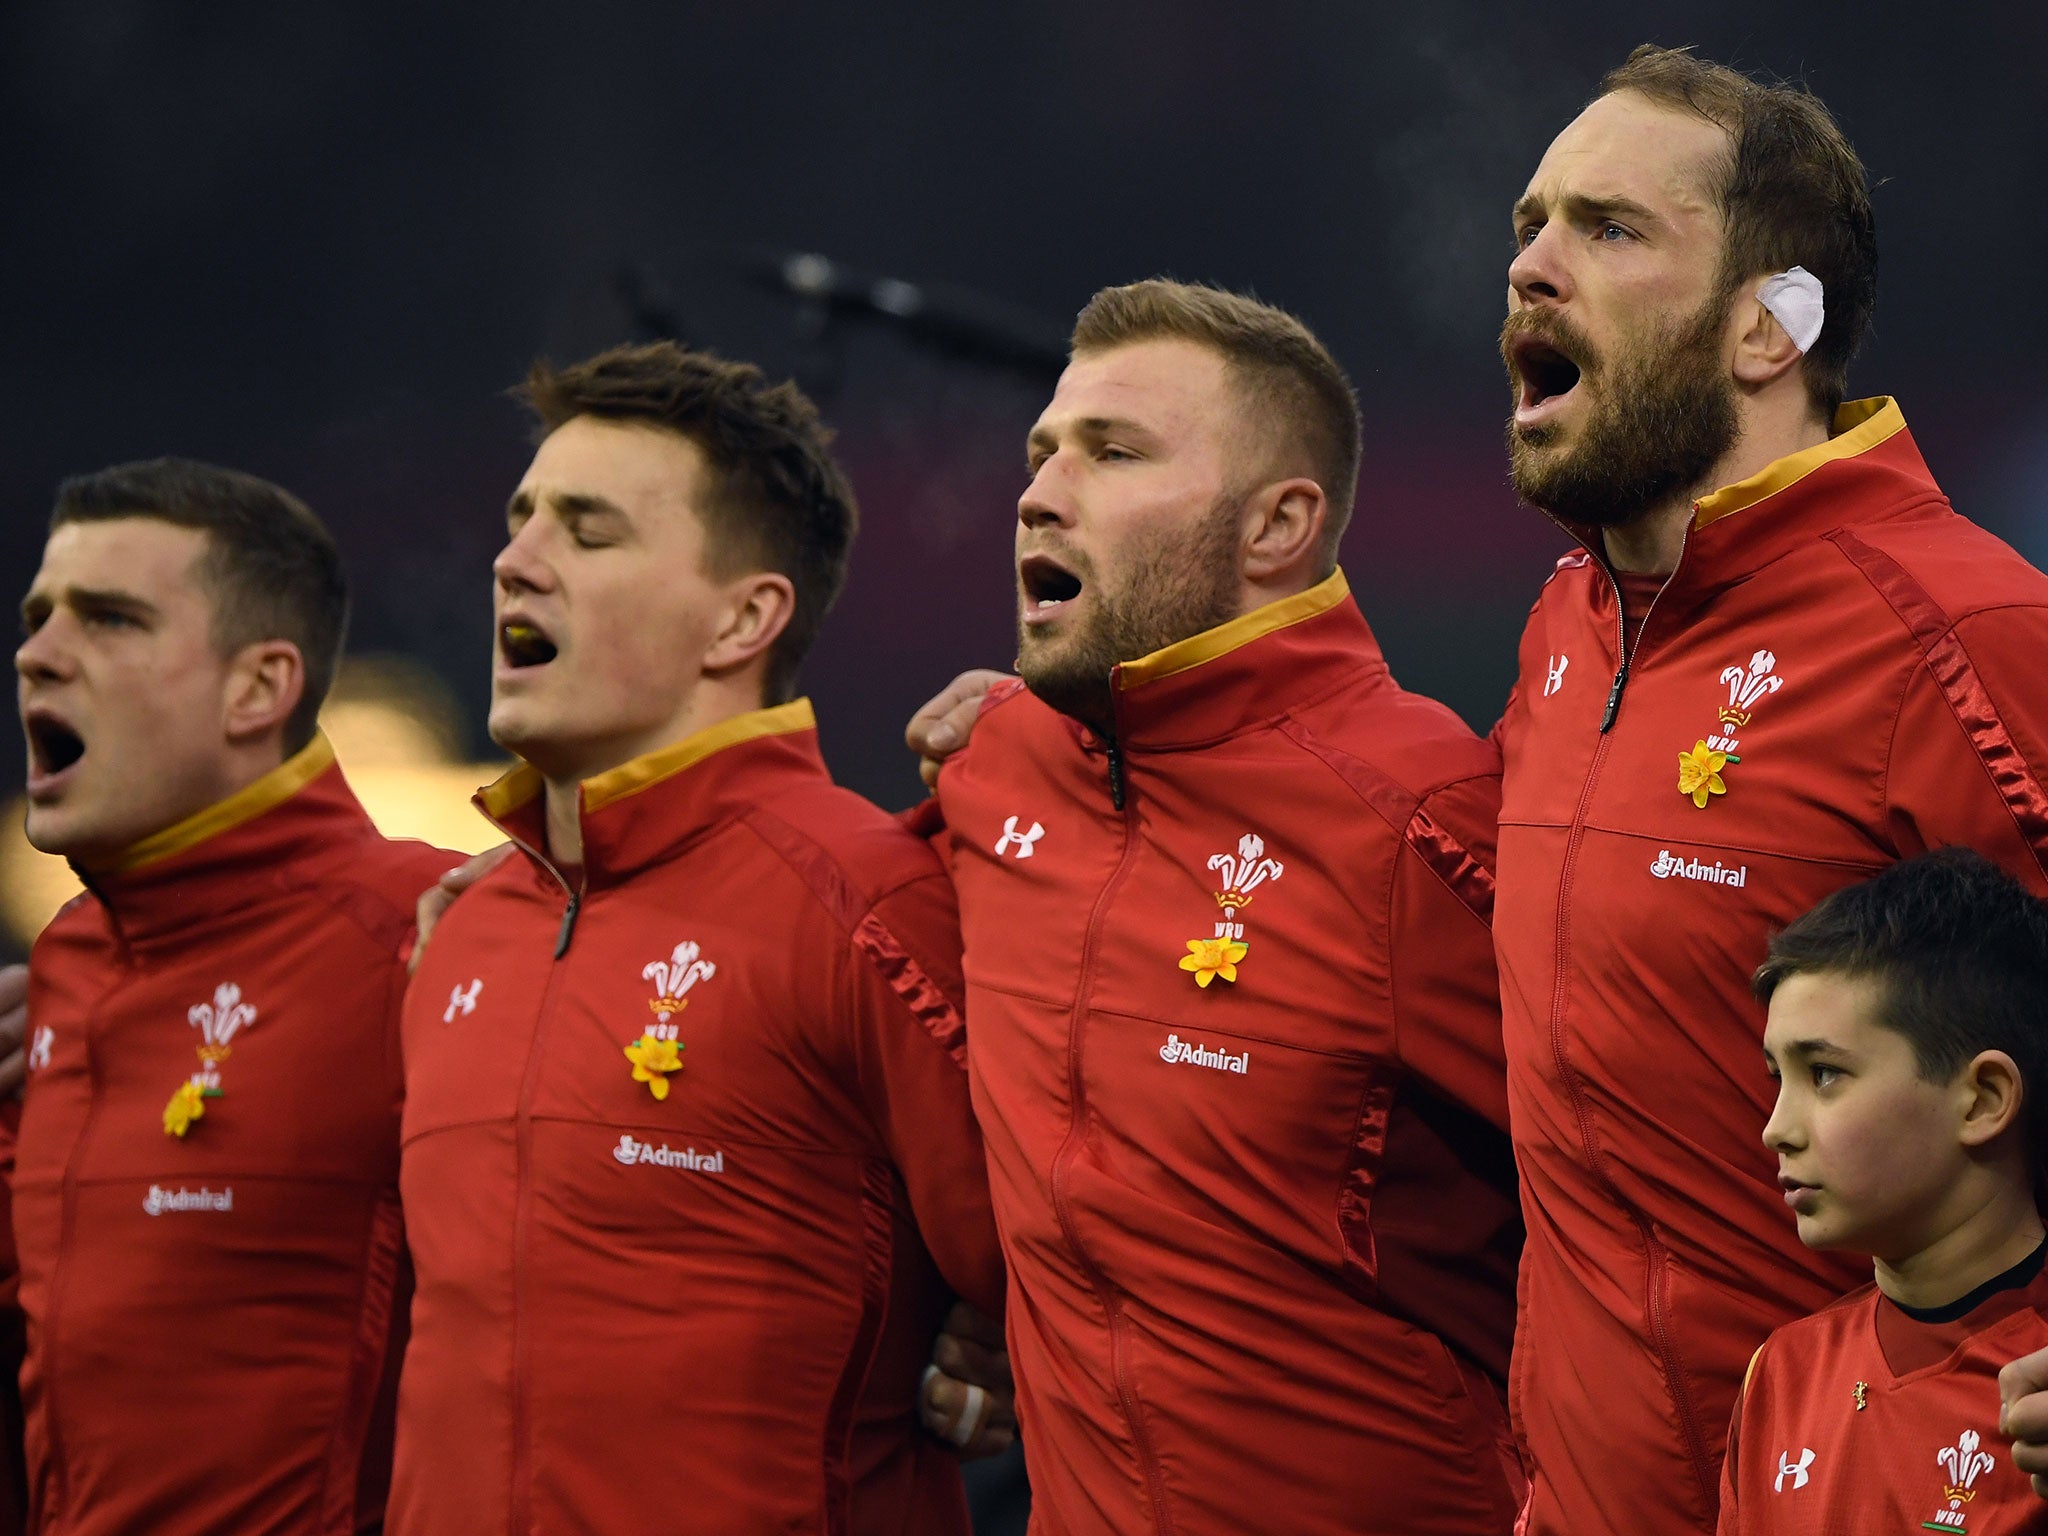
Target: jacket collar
pixel 232 851
pixel 1247 672
pixel 644 811
pixel 1868 471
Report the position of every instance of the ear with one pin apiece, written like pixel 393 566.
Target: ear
pixel 265 682
pixel 1284 532
pixel 1763 352
pixel 1989 1092
pixel 759 607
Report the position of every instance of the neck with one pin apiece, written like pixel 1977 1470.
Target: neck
pixel 1651 544
pixel 712 702
pixel 1992 1237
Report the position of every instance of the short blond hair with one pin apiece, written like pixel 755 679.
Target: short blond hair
pixel 1287 376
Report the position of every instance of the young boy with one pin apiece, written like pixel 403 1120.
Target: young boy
pixel 1908 1025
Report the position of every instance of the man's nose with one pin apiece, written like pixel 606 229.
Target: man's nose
pixel 520 566
pixel 1046 502
pixel 44 657
pixel 1781 1131
pixel 1538 274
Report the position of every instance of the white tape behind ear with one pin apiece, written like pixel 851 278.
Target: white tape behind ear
pixel 1794 298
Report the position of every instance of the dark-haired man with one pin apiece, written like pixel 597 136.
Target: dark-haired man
pixel 1236 1054
pixel 690 1169
pixel 1779 662
pixel 205 1188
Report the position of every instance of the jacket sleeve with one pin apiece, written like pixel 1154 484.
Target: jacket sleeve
pixel 911 1049
pixel 1731 1482
pixel 1969 755
pixel 1446 990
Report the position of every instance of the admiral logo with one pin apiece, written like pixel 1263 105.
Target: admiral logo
pixel 630 1152
pixel 39 1049
pixel 1666 865
pixel 160 1200
pixel 1178 1051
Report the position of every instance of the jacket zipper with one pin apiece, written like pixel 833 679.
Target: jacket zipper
pixel 1657 1263
pixel 1070 1148
pixel 522 1429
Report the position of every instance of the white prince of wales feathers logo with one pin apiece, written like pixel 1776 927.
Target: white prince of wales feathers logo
pixel 1242 875
pixel 1746 685
pixel 219 1021
pixel 1964 1463
pixel 674 977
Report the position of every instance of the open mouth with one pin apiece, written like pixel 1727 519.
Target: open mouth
pixel 53 745
pixel 1046 585
pixel 1546 373
pixel 524 643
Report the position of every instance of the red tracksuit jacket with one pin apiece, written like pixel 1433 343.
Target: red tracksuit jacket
pixel 1236 1055
pixel 1861 1419
pixel 1853 674
pixel 211 1316
pixel 669 1145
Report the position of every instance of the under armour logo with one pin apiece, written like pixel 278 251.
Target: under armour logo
pixel 1555 680
pixel 461 1001
pixel 1787 1467
pixel 1023 840
pixel 39 1050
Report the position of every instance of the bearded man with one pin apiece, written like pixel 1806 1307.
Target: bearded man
pixel 1235 1052
pixel 1779 662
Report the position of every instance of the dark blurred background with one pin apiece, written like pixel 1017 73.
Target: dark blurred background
pixel 318 242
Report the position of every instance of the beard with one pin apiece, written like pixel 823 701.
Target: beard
pixel 1173 586
pixel 1663 416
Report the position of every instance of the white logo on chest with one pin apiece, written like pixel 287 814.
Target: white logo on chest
pixel 1023 842
pixel 1555 680
pixel 39 1049
pixel 631 1152
pixel 1787 1467
pixel 160 1200
pixel 462 1000
pixel 1178 1051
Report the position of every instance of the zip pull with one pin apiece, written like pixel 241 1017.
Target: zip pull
pixel 1116 775
pixel 568 923
pixel 1614 696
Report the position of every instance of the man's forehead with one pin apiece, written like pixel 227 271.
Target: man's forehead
pixel 627 464
pixel 1162 382
pixel 1626 147
pixel 124 550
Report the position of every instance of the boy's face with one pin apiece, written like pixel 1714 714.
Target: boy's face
pixel 1868 1150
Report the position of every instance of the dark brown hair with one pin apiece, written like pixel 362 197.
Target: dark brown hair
pixel 778 501
pixel 1959 951
pixel 270 567
pixel 1792 193
pixel 1286 375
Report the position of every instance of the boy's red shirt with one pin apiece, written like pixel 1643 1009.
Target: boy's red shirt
pixel 1863 1419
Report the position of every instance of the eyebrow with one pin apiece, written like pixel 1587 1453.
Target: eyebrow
pixel 99 599
pixel 1813 1047
pixel 1043 436
pixel 565 504
pixel 1584 209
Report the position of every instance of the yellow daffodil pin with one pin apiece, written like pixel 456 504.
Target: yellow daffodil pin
pixel 1210 958
pixel 1699 772
pixel 187 1104
pixel 652 1060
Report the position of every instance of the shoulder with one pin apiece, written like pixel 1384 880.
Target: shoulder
pixel 1397 751
pixel 1804 1341
pixel 1935 568
pixel 374 883
pixel 847 852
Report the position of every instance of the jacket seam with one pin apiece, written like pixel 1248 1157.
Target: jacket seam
pixel 1869 564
